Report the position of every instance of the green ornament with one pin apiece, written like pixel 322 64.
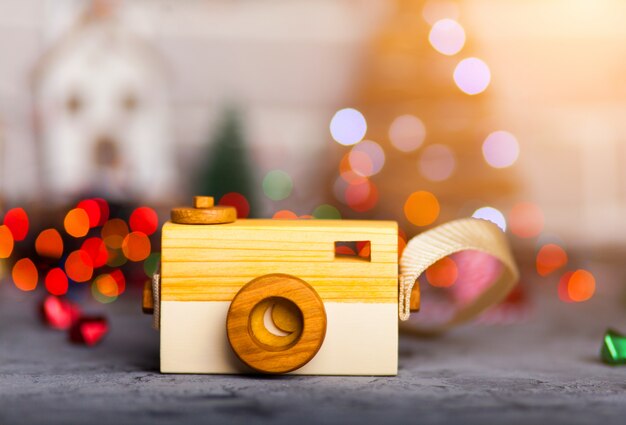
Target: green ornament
pixel 613 350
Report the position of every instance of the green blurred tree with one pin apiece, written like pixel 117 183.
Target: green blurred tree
pixel 228 167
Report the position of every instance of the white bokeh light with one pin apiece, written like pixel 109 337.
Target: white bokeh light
pixel 447 37
pixel 407 133
pixel 437 163
pixel 491 214
pixel 348 126
pixel 472 76
pixel 367 158
pixel 500 149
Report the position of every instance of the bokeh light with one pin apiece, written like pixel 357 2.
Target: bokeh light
pixel 367 158
pixel 25 275
pixel 92 208
pixel 437 163
pixel 104 289
pixel 407 133
pixel 113 233
pixel 17 221
pixel 435 10
pixel 526 220
pixel 550 258
pixel 49 244
pixel 136 246
pixel 104 210
pixel 78 266
pixel 562 287
pixel 500 149
pixel 151 265
pixel 96 249
pixel 443 273
pixel 56 282
pixel 145 220
pixel 472 76
pixel 238 201
pixel 447 36
pixel 421 208
pixel 362 196
pixel 491 214
pixel 285 215
pixel 277 185
pixel 581 286
pixel 76 223
pixel 116 257
pixel 348 126
pixel 327 212
pixel 6 242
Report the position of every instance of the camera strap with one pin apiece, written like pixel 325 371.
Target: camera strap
pixel 427 248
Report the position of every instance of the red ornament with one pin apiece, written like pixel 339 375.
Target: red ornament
pixel 59 313
pixel 89 330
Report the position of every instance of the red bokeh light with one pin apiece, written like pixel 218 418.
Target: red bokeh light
pixel 104 210
pixel 145 220
pixel 97 251
pixel 92 208
pixel 56 282
pixel 238 201
pixel 16 220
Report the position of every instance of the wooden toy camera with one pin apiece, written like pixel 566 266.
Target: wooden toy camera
pixel 314 297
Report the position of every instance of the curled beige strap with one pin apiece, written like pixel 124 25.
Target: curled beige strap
pixel 465 234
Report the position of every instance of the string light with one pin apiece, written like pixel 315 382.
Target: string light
pixel 421 208
pixel 491 214
pixel 277 185
pixel 407 133
pixel 526 220
pixel 437 163
pixel 238 201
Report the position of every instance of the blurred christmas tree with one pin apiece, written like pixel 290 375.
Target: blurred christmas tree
pixel 426 101
pixel 228 169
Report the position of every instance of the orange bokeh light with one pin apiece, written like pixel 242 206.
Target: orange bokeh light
pixel 285 215
pixel 581 286
pixel 443 273
pixel 107 285
pixel 79 266
pixel 113 233
pixel 49 244
pixel 25 275
pixel 76 223
pixel 550 257
pixel 421 208
pixel 6 242
pixel 526 220
pixel 136 246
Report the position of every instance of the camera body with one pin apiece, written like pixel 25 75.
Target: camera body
pixel 311 297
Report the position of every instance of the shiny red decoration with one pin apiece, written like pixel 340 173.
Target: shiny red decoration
pixel 144 220
pixel 58 313
pixel 89 330
pixel 16 220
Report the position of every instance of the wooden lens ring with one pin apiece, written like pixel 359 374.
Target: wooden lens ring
pixel 270 357
pixel 204 212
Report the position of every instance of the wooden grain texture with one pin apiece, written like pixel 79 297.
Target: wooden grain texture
pixel 212 263
pixel 147 305
pixel 218 214
pixel 258 348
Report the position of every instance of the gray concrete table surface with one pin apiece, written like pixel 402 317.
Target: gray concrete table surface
pixel 545 370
